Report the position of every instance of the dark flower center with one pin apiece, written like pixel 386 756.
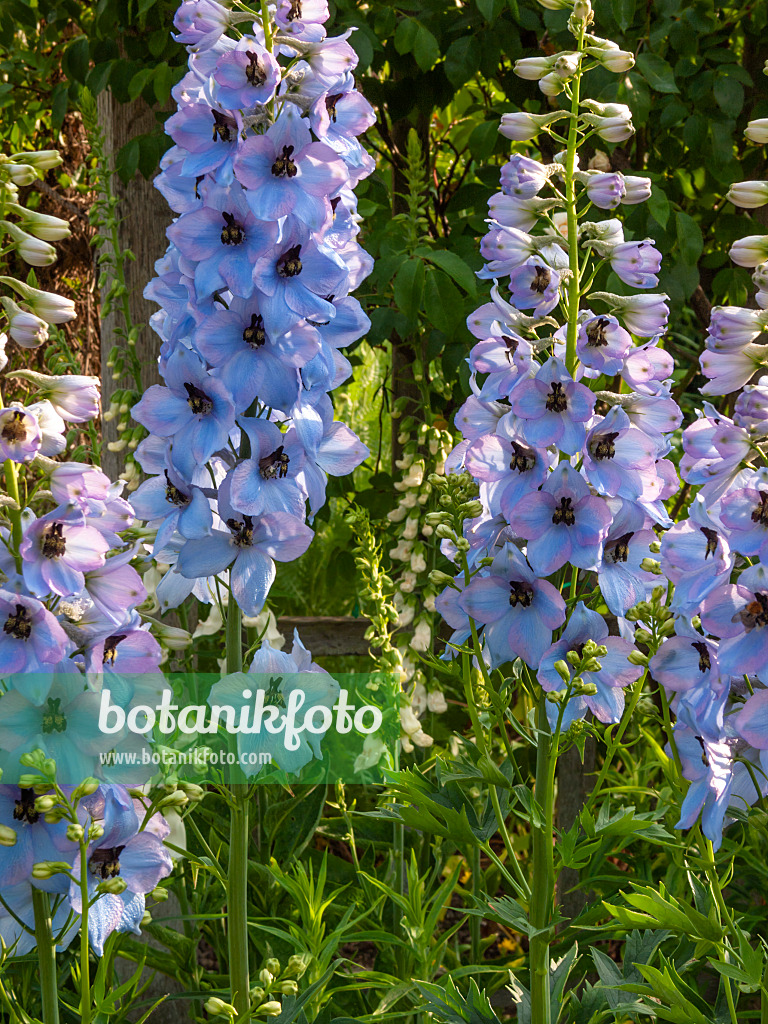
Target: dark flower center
pixel 274 466
pixel 173 494
pixel 511 345
pixel 712 538
pixel 330 105
pixel 106 863
pixel 760 513
pixel 289 264
pixel 557 400
pixel 255 335
pixel 232 233
pixel 564 513
pixel 110 648
pixel 54 719
pixel 596 333
pixel 620 549
pixel 284 167
pixel 20 624
pixel 755 613
pixel 198 401
pixel 704 661
pixel 295 12
pixel 14 430
pixel 541 278
pixel 704 758
pixel 54 542
pixel 242 532
pixel 604 447
pixel 254 69
pixel 523 459
pixel 224 128
pixel 520 593
pixel 24 808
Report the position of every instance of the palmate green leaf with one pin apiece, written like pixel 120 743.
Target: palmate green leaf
pixel 657 72
pixel 440 810
pixel 449 1006
pixel 654 909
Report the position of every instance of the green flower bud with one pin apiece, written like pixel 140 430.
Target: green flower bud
pixel 160 894
pixel 270 1009
pixel 272 965
pixel 7 836
pixel 86 788
pixel 442 579
pixel 563 670
pixel 637 658
pixel 113 886
pixel 287 988
pixel 44 804
pixel 651 565
pixel 75 833
pixel 218 1008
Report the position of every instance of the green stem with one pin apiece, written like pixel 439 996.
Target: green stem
pixel 12 486
pixel 266 25
pixel 239 841
pixel 574 281
pixel 616 739
pixel 543 871
pixel 237 902
pixel 46 952
pixel 85 947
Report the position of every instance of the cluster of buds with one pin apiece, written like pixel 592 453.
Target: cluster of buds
pixel 274 981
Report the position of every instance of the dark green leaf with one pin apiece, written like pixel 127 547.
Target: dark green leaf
pixel 76 58
pixel 455 267
pixel 656 72
pixel 462 60
pixel 409 288
pixel 689 237
pixel 623 12
pixel 426 48
pixel 405 35
pixel 658 205
pixel 729 95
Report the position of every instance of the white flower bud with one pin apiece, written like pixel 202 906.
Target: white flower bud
pixel 533 68
pixel 757 131
pixel 750 251
pixel 43 159
pixel 749 195
pixel 436 702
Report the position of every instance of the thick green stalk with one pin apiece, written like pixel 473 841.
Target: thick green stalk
pixel 46 952
pixel 12 486
pixel 85 946
pixel 543 871
pixel 574 281
pixel 239 841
